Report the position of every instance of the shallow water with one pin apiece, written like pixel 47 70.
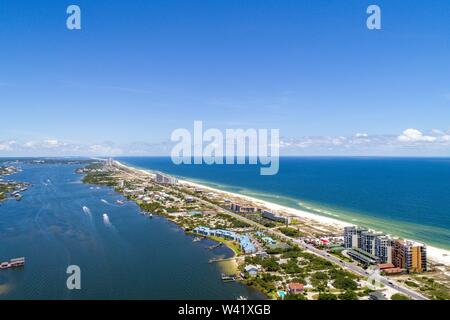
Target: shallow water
pixel 122 254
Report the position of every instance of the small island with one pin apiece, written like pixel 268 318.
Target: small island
pixel 10 188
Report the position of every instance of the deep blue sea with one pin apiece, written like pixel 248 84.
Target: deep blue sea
pixel 408 197
pixel 60 222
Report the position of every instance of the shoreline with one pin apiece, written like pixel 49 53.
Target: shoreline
pixel 436 255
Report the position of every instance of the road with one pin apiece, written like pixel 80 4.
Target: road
pixel 348 266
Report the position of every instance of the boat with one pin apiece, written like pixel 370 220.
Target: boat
pixel 13 263
pixel 18 196
pixel 242 298
pixel 228 277
pixel 150 215
pixel 197 239
pixel 120 202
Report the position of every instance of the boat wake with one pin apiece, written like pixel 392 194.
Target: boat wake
pixel 106 220
pixel 86 210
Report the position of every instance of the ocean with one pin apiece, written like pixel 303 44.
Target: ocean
pixel 122 254
pixel 407 197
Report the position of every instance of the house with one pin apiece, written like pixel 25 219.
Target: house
pixel 262 254
pixel 252 270
pixel 269 240
pixel 246 244
pixel 295 287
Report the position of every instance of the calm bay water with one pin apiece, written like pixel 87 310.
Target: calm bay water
pixel 409 197
pixel 127 256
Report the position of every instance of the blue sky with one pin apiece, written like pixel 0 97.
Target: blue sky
pixel 140 69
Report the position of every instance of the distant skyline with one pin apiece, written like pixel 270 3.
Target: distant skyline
pixel 138 70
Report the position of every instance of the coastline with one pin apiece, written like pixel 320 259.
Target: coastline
pixel 436 255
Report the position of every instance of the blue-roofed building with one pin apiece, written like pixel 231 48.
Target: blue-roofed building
pixel 225 234
pixel 203 230
pixel 246 244
pixel 244 241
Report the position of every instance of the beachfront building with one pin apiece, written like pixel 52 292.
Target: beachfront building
pixel 275 217
pixel 368 241
pixel 410 255
pixel 363 256
pixel 165 179
pixel 352 237
pixel 237 207
pixel 383 248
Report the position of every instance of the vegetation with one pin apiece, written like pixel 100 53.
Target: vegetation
pixel 411 283
pixel 291 266
pixel 235 223
pixel 264 283
pixel 399 296
pixel 295 297
pixel 348 295
pixel 345 284
pixel 291 232
pixel 327 296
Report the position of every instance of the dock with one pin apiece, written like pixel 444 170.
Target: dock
pixel 215 246
pixel 228 277
pixel 13 263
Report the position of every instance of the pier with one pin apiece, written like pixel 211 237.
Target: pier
pixel 228 277
pixel 215 246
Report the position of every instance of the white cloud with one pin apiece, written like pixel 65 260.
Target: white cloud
pixel 7 145
pixel 414 135
pixel 410 142
pixel 361 135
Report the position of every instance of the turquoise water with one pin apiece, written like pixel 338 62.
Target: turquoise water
pixel 408 197
pixel 127 256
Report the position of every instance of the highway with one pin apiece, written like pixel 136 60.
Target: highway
pixel 348 266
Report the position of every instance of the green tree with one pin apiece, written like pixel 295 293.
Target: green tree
pixel 345 284
pixel 327 296
pixel 348 295
pixel 399 296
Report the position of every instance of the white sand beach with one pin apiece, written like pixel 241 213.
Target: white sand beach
pixel 436 255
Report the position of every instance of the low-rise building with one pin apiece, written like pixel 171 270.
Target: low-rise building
pixel 252 270
pixel 295 287
pixel 275 217
pixel 363 256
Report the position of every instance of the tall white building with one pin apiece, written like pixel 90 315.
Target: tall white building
pixel 352 237
pixel 165 179
pixel 368 241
